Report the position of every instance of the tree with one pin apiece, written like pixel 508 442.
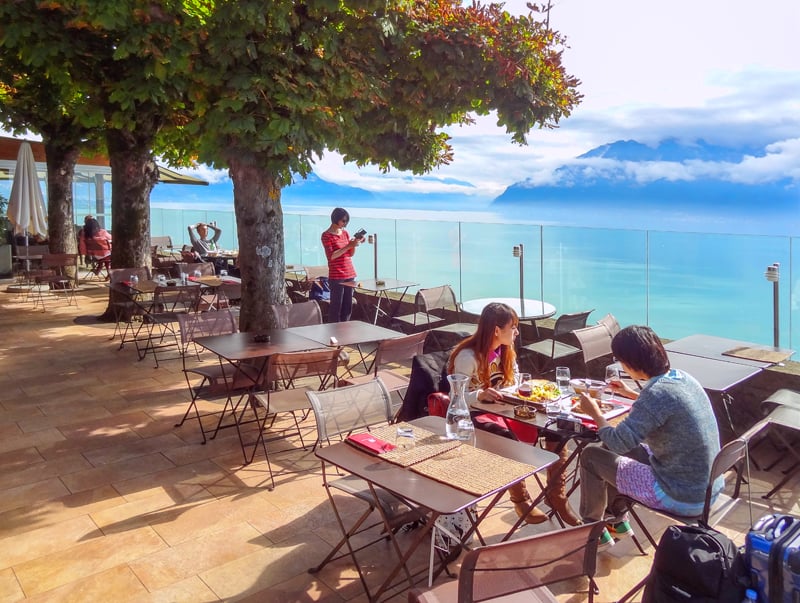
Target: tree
pixel 280 82
pixel 37 94
pixel 122 66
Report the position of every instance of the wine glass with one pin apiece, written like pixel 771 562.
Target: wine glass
pixel 612 375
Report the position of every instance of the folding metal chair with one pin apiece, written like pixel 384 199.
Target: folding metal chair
pixel 286 371
pixel 545 353
pixel 338 413
pixel 216 381
pixel 521 569
pixel 58 278
pixel 160 320
pixel 398 350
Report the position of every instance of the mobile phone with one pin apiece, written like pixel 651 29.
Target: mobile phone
pixel 360 234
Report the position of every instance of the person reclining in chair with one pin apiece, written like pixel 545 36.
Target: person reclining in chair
pixel 94 243
pixel 201 245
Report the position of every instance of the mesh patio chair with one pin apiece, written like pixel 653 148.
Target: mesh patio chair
pixel 300 315
pixel 98 253
pixel 126 304
pixel 545 353
pixel 291 373
pixel 58 277
pixel 520 570
pixel 159 329
pixel 432 309
pixel 340 412
pixel 595 343
pixel 210 380
pixel 400 350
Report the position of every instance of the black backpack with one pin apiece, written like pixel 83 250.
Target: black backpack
pixel 697 564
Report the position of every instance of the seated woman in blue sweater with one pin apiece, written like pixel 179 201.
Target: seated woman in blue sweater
pixel 661 453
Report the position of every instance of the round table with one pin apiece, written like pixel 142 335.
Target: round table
pixel 526 309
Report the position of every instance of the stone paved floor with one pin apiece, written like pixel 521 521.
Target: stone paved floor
pixel 104 499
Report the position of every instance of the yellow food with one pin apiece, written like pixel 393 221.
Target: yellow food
pixel 542 390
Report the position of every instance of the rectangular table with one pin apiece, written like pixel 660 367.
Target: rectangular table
pixel 238 348
pixel 434 496
pixel 380 289
pixel 720 348
pixel 352 333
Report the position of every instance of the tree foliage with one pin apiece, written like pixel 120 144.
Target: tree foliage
pixel 278 84
pixel 264 88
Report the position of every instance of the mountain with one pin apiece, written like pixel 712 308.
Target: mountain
pixel 634 174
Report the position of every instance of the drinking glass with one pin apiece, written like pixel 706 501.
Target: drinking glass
pixel 562 379
pixel 223 273
pixel 612 375
pixel 524 384
pixel 404 439
pixel 197 274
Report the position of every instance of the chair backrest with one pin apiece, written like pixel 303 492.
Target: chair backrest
pixel 123 274
pixel 731 455
pixel 287 368
pixel 400 349
pixel 346 409
pixel 205 268
pixel 567 323
pixel 164 242
pixel 436 298
pixel 496 570
pixel 610 322
pixel 595 342
pixel 59 261
pixel 297 315
pixel 204 324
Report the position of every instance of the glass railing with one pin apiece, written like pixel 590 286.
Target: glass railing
pixel 678 283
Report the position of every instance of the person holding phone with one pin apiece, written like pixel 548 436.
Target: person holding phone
pixel 339 249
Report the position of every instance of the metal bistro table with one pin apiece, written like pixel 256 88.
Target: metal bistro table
pixel 434 496
pixel 352 333
pixel 236 349
pixel 527 309
pixel 719 363
pixel 546 426
pixel 380 289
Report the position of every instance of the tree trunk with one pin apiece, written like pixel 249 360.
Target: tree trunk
pixel 259 221
pixel 133 175
pixel 61 162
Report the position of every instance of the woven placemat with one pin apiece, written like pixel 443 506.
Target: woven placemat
pixel 426 444
pixel 760 354
pixel 473 470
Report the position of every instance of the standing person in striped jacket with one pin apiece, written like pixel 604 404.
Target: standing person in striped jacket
pixel 339 249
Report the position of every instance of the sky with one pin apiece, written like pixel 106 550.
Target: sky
pixel 726 71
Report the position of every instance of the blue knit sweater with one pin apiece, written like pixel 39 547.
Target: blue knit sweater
pixel 673 416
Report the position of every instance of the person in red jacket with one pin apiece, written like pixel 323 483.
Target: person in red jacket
pixel 339 249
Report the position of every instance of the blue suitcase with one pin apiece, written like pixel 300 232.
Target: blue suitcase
pixel 772 552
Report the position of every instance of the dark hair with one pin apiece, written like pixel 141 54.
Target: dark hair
pixel 91 228
pixel 640 348
pixel 493 315
pixel 338 214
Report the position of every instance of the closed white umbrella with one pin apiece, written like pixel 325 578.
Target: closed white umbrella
pixel 26 208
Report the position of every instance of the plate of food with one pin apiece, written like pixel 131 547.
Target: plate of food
pixel 535 392
pixel 609 408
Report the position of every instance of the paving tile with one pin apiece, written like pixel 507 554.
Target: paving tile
pixel 26 440
pixel 17 460
pixel 10 589
pixel 31 495
pixel 50 512
pixel 194 556
pixel 43 541
pixel 192 589
pixel 86 559
pixel 43 470
pixel 116 583
pixel 116 472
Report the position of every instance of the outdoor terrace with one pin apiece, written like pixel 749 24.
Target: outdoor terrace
pixel 103 499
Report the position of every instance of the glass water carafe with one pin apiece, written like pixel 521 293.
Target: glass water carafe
pixel 458 421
